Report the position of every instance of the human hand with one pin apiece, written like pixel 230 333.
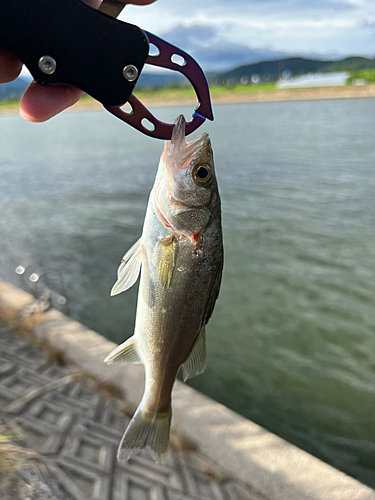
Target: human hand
pixel 39 103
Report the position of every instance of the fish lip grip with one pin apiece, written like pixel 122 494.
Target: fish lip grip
pixel 191 70
pixel 69 42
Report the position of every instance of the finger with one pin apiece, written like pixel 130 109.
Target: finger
pixel 42 103
pixel 10 66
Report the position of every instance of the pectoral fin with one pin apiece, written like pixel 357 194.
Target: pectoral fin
pixel 196 361
pixel 124 353
pixel 129 269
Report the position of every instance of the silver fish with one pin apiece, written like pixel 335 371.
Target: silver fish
pixel 181 255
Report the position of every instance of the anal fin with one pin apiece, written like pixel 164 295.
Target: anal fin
pixel 195 363
pixel 124 353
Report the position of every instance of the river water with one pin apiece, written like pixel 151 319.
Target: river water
pixel 291 344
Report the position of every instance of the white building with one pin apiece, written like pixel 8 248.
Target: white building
pixel 314 80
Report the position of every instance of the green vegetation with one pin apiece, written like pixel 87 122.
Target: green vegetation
pixel 165 93
pixel 366 75
pixel 242 89
pixel 174 93
pixel 9 104
pixel 9 461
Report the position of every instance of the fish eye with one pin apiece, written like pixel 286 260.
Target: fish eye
pixel 202 173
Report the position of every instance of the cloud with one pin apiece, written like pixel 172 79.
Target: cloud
pixel 190 37
pixel 220 58
pixel 248 7
pixel 206 45
pixel 369 25
pixel 239 30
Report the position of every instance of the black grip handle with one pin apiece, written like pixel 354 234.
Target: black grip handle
pixel 81 46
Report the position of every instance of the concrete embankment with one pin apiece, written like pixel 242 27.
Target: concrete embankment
pixel 273 468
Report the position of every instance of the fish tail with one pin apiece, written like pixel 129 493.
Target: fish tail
pixel 147 431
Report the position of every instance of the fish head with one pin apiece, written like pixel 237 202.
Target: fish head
pixel 186 183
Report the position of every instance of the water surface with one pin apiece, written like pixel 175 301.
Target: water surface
pixel 291 344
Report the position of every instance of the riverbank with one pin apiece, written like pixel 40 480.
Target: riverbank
pixel 261 464
pixel 225 95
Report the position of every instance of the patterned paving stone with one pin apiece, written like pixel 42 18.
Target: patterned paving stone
pixel 78 406
pixel 142 466
pixel 45 426
pixel 5 332
pixel 81 483
pixel 78 391
pixel 41 438
pixel 6 366
pixel 109 416
pixel 6 347
pixel 78 430
pixel 50 372
pixel 177 495
pixel 100 432
pixel 28 354
pixel 6 398
pixel 23 381
pixel 135 488
pixel 33 365
pixel 36 484
pixel 89 453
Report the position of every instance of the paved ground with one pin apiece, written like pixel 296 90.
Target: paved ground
pixel 77 430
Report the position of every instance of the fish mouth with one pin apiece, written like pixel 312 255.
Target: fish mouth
pixel 180 151
pixel 178 157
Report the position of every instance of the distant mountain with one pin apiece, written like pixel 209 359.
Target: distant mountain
pixel 351 64
pixel 292 66
pixel 157 80
pixel 266 71
pixel 13 90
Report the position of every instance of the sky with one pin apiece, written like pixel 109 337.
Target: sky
pixel 224 34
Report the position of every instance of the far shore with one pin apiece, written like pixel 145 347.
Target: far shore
pixel 174 97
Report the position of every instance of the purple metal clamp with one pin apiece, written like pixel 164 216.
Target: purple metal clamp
pixel 191 70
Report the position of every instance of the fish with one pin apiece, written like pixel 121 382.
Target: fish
pixel 180 259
